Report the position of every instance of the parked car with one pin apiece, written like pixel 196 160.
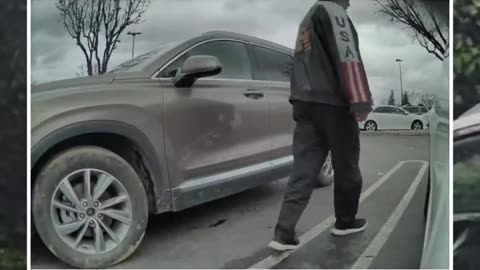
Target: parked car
pixel 392 117
pixel 188 123
pixel 466 195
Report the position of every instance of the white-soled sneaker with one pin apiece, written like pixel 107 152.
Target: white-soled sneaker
pixel 283 245
pixel 347 228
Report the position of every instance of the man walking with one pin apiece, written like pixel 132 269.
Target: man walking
pixel 329 94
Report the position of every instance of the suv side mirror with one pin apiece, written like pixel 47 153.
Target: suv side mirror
pixel 196 67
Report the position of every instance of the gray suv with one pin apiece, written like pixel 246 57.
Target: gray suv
pixel 188 123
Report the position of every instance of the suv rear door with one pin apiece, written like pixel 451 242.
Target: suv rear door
pixel 220 124
pixel 272 73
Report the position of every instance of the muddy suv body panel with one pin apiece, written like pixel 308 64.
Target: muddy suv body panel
pixel 219 137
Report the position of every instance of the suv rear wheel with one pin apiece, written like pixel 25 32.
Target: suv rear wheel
pixel 90 207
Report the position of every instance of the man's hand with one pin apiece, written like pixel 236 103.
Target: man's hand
pixel 361 116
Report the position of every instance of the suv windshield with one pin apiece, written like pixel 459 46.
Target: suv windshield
pixel 139 62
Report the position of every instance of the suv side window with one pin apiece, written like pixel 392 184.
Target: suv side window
pixel 271 65
pixel 232 55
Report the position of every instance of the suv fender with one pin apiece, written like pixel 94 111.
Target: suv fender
pixel 158 175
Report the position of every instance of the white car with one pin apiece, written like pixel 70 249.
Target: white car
pixel 392 117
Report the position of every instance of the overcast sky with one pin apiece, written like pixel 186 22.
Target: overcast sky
pixel 55 55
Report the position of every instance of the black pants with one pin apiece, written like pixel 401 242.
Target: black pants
pixel 319 129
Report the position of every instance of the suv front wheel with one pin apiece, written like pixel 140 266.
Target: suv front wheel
pixel 90 207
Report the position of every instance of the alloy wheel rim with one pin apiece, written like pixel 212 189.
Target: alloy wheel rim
pixel 416 126
pixel 370 126
pixel 91 211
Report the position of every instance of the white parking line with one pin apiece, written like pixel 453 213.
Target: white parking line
pixel 366 259
pixel 273 260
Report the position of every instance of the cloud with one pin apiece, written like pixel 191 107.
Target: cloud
pixel 55 55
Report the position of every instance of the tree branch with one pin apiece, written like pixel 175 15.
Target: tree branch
pixel 425 25
pixel 86 20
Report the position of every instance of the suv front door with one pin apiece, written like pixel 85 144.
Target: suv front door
pixel 218 125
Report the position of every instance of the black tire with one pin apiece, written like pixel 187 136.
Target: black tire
pixel 326 176
pixel 371 122
pixel 417 122
pixel 79 158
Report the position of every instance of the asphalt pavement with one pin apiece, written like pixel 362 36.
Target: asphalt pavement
pixel 233 232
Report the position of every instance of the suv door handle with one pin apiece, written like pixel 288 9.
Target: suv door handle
pixel 253 94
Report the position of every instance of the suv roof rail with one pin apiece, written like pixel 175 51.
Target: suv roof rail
pixel 213 32
pixel 231 34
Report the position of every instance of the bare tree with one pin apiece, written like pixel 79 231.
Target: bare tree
pixel 429 30
pixel 427 100
pixel 97 24
pixel 82 70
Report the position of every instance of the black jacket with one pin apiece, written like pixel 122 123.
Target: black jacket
pixel 327 66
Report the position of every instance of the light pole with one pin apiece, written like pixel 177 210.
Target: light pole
pixel 133 34
pixel 401 82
